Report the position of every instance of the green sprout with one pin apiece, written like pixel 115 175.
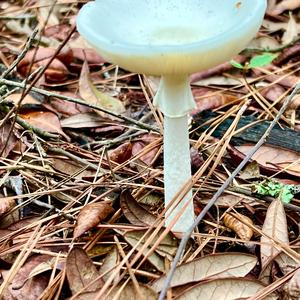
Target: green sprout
pixel 285 192
pixel 257 61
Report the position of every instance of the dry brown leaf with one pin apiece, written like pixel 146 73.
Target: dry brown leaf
pixel 275 226
pixel 90 55
pixel 93 96
pixel 273 93
pixel 224 289
pixel 285 56
pixel 43 120
pixel 28 99
pixel 229 200
pixel 90 216
pixel 109 264
pixel 7 140
pixel 286 81
pixel 6 205
pixel 240 228
pixel 81 272
pixel 48 13
pixel 85 120
pixel 212 100
pixel 130 293
pixel 57 70
pixel 166 248
pixel 45 266
pixel 251 171
pixel 274 158
pixel 67 108
pixel 24 288
pixel 134 212
pixel 70 167
pixel 148 157
pixel 286 263
pixel 212 266
pixel 197 159
pixel 292 288
pixel 291 32
pixel 266 41
pixel 271 5
pixel 285 5
pixel 58 32
pixel 122 153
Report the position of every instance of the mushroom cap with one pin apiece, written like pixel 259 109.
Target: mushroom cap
pixel 169 37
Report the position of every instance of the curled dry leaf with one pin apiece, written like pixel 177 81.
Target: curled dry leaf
pixel 224 289
pixel 93 96
pixel 212 266
pixel 122 153
pixel 81 272
pixel 90 216
pixel 275 226
pixel 240 228
pixel 134 212
pixel 129 292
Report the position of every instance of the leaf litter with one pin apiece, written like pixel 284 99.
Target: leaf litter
pixel 82 190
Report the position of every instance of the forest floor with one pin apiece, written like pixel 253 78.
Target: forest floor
pixel 81 167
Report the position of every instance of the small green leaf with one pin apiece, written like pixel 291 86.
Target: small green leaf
pixel 236 64
pixel 286 194
pixel 276 189
pixel 262 60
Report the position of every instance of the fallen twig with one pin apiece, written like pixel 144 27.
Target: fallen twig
pixel 21 55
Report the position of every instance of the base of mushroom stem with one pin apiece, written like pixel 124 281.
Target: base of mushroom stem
pixel 177 173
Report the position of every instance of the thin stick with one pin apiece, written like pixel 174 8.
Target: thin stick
pixel 220 191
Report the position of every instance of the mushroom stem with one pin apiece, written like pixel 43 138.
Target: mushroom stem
pixel 174 98
pixel 177 172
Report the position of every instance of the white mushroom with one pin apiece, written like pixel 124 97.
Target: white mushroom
pixel 172 39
